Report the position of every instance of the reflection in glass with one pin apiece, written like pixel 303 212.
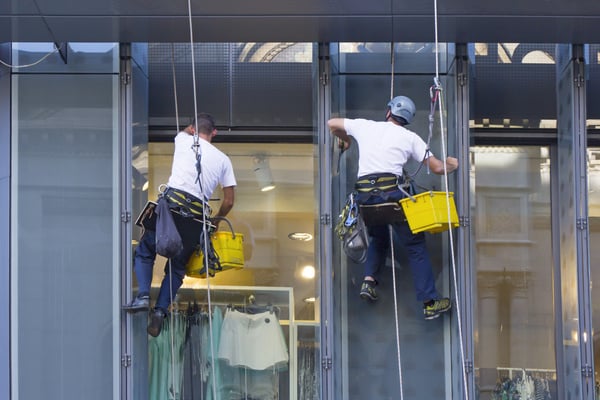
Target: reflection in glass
pixel 594 230
pixel 514 329
pixel 266 219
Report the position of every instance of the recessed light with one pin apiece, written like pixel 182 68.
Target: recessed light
pixel 310 300
pixel 301 236
pixel 308 272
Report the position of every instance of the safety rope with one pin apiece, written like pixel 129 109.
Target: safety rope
pixel 196 147
pixel 173 72
pixel 171 319
pixel 393 67
pixel 438 89
pixel 391 234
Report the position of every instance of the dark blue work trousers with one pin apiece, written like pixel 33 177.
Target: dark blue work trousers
pixel 145 254
pixel 415 245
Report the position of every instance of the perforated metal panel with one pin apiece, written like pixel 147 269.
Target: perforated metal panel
pixel 244 86
pixel 513 84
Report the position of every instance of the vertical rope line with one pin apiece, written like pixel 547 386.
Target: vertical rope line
pixel 172 328
pixel 175 86
pixel 450 233
pixel 452 256
pixel 435 15
pixel 393 53
pixel 204 227
pixel 393 61
pixel 396 309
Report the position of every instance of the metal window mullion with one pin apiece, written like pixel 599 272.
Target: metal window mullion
pixel 582 231
pixel 464 233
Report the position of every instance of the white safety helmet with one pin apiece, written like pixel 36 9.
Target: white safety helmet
pixel 402 107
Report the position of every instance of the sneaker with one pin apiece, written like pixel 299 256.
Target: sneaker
pixel 157 316
pixel 139 303
pixel 367 291
pixel 438 307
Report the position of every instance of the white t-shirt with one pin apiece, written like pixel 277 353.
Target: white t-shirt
pixel 383 146
pixel 216 167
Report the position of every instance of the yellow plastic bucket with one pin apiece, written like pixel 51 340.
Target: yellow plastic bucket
pixel 429 212
pixel 229 247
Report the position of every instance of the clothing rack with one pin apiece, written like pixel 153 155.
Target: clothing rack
pixel 280 299
pixel 534 372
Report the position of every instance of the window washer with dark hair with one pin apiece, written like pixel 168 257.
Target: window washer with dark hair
pixel 384 147
pixel 188 191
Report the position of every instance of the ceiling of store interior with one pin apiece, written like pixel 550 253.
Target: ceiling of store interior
pixel 534 21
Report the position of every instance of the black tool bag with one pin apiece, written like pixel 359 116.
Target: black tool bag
pixel 351 230
pixel 168 239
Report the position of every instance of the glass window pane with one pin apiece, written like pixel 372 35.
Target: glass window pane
pixel 64 248
pixel 279 240
pixel 594 229
pixel 514 307
pixel 365 355
pixel 80 57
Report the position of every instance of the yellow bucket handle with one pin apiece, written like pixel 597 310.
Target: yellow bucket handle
pixel 407 194
pixel 228 223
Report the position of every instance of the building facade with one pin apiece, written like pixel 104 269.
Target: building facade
pixel 86 135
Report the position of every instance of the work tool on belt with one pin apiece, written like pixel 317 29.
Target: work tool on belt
pixel 188 205
pixel 378 182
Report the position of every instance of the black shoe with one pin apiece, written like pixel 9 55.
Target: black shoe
pixel 157 316
pixel 367 291
pixel 139 303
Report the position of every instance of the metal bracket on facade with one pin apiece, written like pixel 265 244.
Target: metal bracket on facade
pixel 324 79
pixel 468 366
pixel 464 221
pixel 325 219
pixel 125 78
pixel 586 371
pixel 126 360
pixel 462 79
pixel 579 80
pixel 125 216
pixel 326 362
pixel 582 223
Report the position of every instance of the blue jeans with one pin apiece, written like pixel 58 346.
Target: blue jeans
pixel 145 255
pixel 414 244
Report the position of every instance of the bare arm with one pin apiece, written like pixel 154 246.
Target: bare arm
pixel 437 166
pixel 228 200
pixel 336 127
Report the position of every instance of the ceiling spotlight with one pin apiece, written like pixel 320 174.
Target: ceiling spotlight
pixel 262 170
pixel 301 236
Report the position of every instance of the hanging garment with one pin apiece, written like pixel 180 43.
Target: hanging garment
pixel 166 354
pixel 211 348
pixel 255 341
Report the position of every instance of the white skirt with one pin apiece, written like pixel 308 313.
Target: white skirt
pixel 254 341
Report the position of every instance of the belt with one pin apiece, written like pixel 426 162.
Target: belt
pixel 381 182
pixel 187 203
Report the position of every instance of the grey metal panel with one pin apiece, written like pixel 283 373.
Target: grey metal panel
pixel 553 21
pixel 311 7
pixel 16 7
pixel 23 29
pixel 310 27
pixel 256 7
